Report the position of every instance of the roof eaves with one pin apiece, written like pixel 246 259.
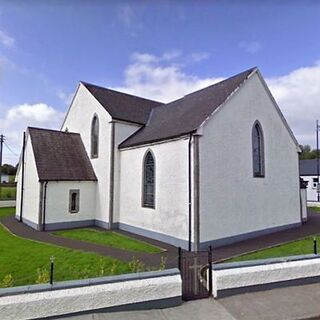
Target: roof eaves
pixel 154 141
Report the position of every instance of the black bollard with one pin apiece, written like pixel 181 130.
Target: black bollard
pixel 51 270
pixel 315 246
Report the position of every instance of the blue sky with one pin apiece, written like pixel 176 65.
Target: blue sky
pixel 157 49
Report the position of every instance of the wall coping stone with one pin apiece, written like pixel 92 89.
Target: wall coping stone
pixel 87 282
pixel 259 262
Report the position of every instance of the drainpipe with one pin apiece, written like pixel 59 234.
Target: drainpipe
pixel 196 192
pixel 111 187
pixel 22 175
pixel 189 193
pixel 44 206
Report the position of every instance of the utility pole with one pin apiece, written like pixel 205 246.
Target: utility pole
pixel 318 167
pixel 1 152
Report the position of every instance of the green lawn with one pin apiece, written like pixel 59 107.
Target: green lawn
pixel 21 258
pixel 7 192
pixel 304 246
pixel 5 212
pixel 109 239
pixel 315 209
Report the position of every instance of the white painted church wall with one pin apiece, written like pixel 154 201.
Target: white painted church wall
pixel 79 119
pixel 31 195
pixel 122 131
pixel 57 201
pixel 170 215
pixel 232 201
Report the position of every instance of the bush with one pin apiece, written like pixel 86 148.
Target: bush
pixel 42 276
pixel 7 281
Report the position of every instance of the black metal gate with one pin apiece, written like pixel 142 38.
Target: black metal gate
pixel 195 269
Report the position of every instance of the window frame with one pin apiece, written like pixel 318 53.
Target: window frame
pixel 94 155
pixel 258 128
pixel 144 204
pixel 77 204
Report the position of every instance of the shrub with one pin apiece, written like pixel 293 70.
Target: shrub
pixel 42 276
pixel 135 265
pixel 7 281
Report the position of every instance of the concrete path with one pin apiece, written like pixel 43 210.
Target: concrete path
pixel 171 253
pixel 205 309
pixel 292 303
pixel 153 259
pixel 310 228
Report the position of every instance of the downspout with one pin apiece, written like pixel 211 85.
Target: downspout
pixel 196 193
pixel 111 189
pixel 44 206
pixel 189 193
pixel 22 175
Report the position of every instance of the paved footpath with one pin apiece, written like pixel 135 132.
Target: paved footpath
pixel 171 253
pixel 299 302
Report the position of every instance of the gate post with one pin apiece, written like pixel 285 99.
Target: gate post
pixel 179 258
pixel 210 270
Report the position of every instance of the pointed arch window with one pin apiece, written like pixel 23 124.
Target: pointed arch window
pixel 95 137
pixel 148 197
pixel 257 150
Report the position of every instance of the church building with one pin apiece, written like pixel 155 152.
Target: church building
pixel 214 167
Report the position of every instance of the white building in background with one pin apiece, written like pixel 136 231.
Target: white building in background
pixel 4 178
pixel 217 166
pixel 308 171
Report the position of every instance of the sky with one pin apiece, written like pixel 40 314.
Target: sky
pixel 156 49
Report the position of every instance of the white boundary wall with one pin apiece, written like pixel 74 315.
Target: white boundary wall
pixel 117 291
pixel 230 277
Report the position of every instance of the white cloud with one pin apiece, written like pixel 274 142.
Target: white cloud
pixel 298 95
pixel 250 46
pixel 65 97
pixel 18 118
pixel 161 77
pixel 199 56
pixel 6 40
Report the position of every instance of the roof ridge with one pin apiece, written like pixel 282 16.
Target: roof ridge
pixel 120 92
pixel 52 130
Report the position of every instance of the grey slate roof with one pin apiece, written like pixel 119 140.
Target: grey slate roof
pixel 122 106
pixel 308 167
pixel 185 115
pixel 60 156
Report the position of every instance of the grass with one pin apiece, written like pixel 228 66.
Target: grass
pixel 21 258
pixel 5 212
pixel 7 192
pixel 315 209
pixel 304 246
pixel 109 239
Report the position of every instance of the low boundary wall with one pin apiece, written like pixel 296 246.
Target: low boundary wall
pixel 147 290
pixel 239 277
pixel 7 203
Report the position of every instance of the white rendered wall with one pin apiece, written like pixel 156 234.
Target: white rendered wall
pixel 303 195
pixel 31 195
pixel 232 201
pixel 122 131
pixel 240 277
pixel 78 119
pixel 170 215
pixel 311 190
pixel 87 298
pixel 57 202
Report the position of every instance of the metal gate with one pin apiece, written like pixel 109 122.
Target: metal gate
pixel 195 269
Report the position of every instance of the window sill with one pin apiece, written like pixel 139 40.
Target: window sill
pixel 258 176
pixel 148 207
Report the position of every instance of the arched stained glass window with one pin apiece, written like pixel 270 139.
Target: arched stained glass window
pixel 257 150
pixel 95 137
pixel 148 198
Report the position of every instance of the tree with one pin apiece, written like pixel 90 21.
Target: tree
pixel 307 153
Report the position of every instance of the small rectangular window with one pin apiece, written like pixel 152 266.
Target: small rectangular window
pixel 74 200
